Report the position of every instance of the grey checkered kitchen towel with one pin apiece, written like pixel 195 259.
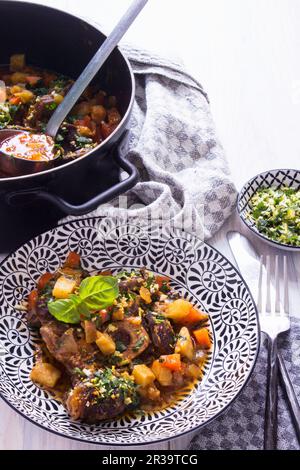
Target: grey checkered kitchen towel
pixel 242 426
pixel 173 143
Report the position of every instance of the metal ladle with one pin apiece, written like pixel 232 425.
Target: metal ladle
pixel 16 166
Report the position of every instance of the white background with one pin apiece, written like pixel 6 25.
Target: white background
pixel 246 54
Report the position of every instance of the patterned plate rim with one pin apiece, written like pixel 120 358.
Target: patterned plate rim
pixel 250 227
pixel 164 439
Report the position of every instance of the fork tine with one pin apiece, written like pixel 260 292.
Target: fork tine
pixel 268 299
pixel 277 285
pixel 259 297
pixel 285 282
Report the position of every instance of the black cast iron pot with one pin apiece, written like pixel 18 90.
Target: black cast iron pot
pixel 58 41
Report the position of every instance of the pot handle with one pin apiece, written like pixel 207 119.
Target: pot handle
pixel 90 205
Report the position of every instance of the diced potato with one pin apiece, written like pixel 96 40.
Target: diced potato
pixel 25 96
pixel 85 131
pixel 17 62
pixel 90 331
pixel 98 113
pixel 150 393
pixel 194 371
pixel 162 374
pixel 178 309
pixel 105 343
pixel 184 345
pixel 153 392
pixel 45 374
pixel 18 77
pixel 16 89
pixel 145 295
pixel 143 376
pixel 118 315
pixel 58 98
pixel 63 287
pixel 136 321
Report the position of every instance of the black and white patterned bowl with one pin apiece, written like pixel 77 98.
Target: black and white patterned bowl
pixel 198 272
pixel 275 179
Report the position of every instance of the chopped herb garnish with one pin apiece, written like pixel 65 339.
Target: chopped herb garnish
pixel 5 116
pixel 138 344
pixel 83 141
pixel 51 106
pixel 120 346
pixel 79 372
pixel 276 214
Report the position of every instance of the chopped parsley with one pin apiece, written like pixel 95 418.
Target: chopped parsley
pixel 79 372
pixel 51 106
pixel 276 214
pixel 109 385
pixel 5 116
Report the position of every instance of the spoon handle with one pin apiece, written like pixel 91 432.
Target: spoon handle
pixel 93 67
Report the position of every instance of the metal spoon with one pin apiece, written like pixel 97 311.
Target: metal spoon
pixel 17 166
pixel 93 67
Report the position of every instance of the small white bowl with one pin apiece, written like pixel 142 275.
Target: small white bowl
pixel 269 179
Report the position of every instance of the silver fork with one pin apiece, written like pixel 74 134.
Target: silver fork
pixel 274 320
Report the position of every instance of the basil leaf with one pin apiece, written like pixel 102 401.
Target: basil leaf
pixel 98 292
pixel 95 293
pixel 65 310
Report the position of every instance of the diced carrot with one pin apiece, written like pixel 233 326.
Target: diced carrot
pixel 194 316
pixel 171 362
pixel 73 260
pixel 63 287
pixel 203 338
pixel 178 310
pixel 32 79
pixel 161 280
pixel 43 280
pixel 15 100
pixel 32 299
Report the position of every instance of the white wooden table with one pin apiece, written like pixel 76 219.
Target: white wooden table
pixel 246 54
